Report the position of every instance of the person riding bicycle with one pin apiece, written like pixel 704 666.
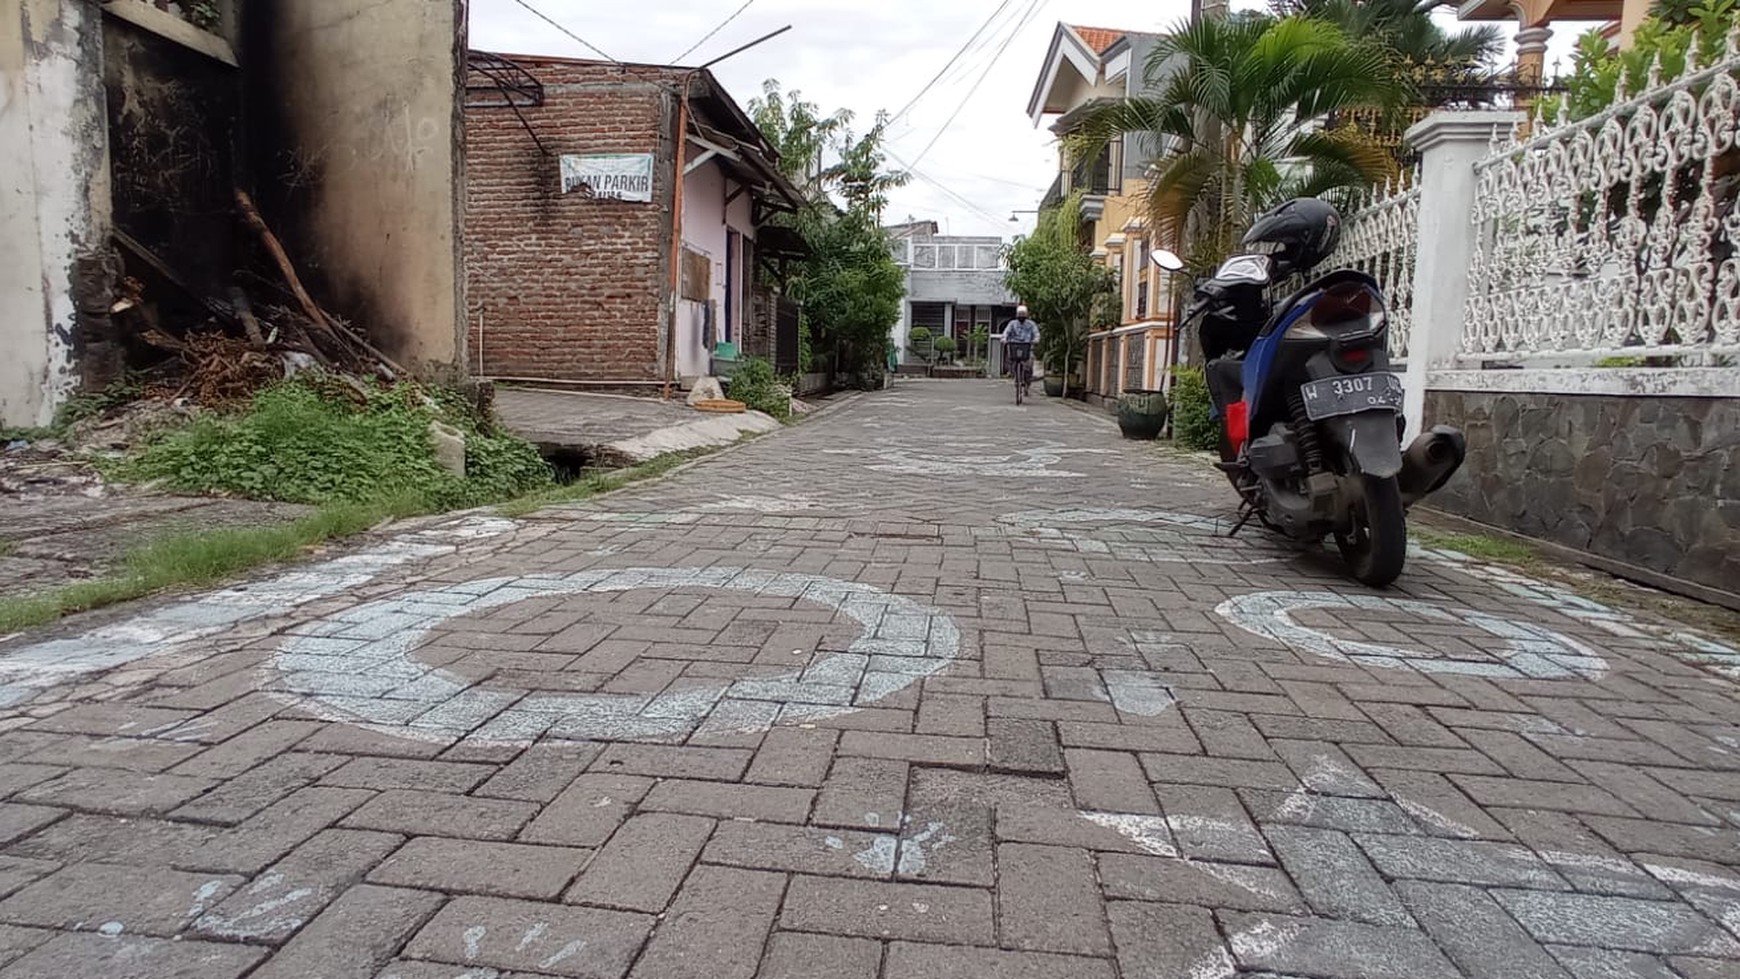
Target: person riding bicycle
pixel 1019 336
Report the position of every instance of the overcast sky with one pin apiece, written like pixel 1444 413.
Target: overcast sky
pixel 866 56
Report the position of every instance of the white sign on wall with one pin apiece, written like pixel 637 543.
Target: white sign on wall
pixel 619 176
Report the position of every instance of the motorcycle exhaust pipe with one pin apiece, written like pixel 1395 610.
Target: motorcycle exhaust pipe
pixel 1430 461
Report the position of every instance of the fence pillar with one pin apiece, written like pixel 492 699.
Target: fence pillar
pixel 1449 143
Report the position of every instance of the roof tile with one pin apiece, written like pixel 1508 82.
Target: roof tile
pixel 1098 38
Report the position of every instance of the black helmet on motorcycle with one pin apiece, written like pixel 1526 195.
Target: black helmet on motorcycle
pixel 1304 230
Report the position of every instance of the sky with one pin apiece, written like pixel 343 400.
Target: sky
pixel 978 158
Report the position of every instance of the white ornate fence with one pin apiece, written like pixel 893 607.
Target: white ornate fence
pixel 1382 240
pixel 1556 248
pixel 1615 235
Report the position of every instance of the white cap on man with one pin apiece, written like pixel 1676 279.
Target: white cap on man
pixel 1021 312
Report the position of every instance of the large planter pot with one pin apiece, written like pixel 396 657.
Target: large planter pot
pixel 1142 414
pixel 1053 386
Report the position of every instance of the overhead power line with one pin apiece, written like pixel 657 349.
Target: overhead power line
pixel 709 35
pixel 1033 8
pixel 583 42
pixel 944 188
pixel 951 62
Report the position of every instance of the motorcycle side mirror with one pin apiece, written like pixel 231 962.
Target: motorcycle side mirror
pixel 1166 260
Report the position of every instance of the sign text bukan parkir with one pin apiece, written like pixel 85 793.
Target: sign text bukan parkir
pixel 620 176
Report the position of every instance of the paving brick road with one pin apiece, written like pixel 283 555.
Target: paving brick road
pixel 928 687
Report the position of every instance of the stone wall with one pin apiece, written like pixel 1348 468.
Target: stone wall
pixel 1653 482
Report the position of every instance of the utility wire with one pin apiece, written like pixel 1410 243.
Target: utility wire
pixel 709 35
pixel 951 62
pixel 1032 9
pixel 952 194
pixel 583 42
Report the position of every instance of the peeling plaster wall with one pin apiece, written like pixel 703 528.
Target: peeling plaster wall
pixel 354 132
pixel 54 193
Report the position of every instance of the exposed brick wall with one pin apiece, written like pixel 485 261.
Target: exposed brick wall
pixel 570 289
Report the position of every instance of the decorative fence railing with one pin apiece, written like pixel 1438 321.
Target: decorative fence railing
pixel 1614 235
pixel 1611 241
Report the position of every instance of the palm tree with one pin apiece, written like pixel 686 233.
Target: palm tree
pixel 1406 28
pixel 1263 87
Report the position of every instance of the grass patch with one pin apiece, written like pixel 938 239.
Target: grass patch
pixel 201 558
pixel 309 440
pixel 207 557
pixel 1479 546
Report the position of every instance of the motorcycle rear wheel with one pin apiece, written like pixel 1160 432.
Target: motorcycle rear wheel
pixel 1377 547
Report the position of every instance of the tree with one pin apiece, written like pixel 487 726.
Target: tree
pixel 821 154
pixel 1264 87
pixel 801 134
pixel 1063 287
pixel 850 286
pixel 851 289
pixel 1405 28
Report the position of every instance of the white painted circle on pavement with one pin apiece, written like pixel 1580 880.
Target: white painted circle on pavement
pixel 1516 649
pixel 357 666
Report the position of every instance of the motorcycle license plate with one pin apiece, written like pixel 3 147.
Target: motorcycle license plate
pixel 1334 396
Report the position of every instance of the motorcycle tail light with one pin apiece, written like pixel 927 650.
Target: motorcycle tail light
pixel 1356 356
pixel 1237 424
pixel 1345 303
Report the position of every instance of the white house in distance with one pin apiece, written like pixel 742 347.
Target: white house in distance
pixel 953 284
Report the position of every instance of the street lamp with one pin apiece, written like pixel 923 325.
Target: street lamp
pixel 1013 215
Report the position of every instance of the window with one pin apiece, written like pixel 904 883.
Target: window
pixel 931 316
pixel 945 256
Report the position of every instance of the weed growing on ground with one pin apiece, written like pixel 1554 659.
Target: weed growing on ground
pixel 756 385
pixel 1479 546
pixel 202 558
pixel 308 440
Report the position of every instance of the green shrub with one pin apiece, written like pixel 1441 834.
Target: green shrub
pixel 1191 425
pixel 921 343
pixel 756 385
pixel 307 440
pixel 945 347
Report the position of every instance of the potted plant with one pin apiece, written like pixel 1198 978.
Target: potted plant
pixel 1142 413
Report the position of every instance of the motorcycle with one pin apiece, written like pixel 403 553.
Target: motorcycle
pixel 1310 411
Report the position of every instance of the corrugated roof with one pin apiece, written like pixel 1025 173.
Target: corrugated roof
pixel 1098 38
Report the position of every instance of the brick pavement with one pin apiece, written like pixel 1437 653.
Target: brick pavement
pixel 929 687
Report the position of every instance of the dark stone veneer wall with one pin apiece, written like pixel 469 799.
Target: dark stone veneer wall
pixel 1651 481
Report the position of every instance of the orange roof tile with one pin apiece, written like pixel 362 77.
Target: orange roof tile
pixel 1098 38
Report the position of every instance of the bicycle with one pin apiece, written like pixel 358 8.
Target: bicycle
pixel 1021 357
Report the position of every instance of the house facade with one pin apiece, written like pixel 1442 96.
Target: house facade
pixel 954 285
pixel 1085 68
pixel 599 252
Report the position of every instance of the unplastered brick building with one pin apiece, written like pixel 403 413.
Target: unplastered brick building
pixel 571 213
